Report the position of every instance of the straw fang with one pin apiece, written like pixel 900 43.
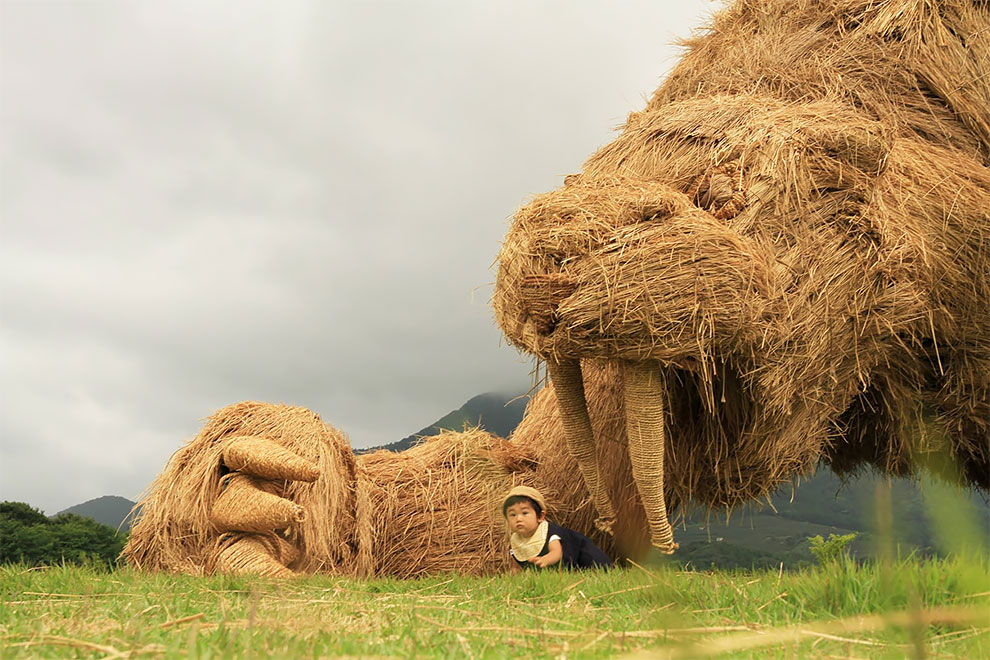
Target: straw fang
pixel 569 386
pixel 644 424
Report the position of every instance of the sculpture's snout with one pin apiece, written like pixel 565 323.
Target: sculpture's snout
pixel 602 269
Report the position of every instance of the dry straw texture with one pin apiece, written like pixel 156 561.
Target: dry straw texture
pixel 796 229
pixel 436 507
pixel 433 508
pixel 250 504
pixel 260 554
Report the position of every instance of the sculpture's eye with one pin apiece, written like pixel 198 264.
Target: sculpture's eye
pixel 719 191
pixel 714 192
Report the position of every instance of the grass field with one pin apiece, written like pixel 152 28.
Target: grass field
pixel 937 608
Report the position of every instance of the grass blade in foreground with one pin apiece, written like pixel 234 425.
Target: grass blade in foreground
pixel 87 613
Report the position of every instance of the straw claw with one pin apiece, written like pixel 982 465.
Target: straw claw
pixel 604 525
pixel 267 459
pixel 250 504
pixel 256 554
pixel 667 548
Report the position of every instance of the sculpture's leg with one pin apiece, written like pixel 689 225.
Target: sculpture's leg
pixel 569 386
pixel 644 426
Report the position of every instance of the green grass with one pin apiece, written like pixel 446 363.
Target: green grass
pixel 86 612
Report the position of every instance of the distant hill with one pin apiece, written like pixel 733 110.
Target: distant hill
pixel 824 505
pixel 496 413
pixel 109 510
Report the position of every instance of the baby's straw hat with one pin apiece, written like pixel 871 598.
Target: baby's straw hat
pixel 525 491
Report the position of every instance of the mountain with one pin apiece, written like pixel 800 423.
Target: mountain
pixel 496 413
pixel 110 510
pixel 823 505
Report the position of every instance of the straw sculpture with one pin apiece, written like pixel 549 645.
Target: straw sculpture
pixel 433 508
pixel 785 254
pixel 782 260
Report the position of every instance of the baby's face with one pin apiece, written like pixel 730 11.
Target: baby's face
pixel 522 518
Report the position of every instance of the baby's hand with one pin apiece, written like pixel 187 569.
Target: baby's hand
pixel 542 561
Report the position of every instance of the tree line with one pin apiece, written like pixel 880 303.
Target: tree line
pixel 29 536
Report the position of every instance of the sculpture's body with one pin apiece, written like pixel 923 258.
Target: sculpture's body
pixel 783 259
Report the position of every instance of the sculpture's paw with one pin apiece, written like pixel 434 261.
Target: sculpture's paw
pixel 258 524
pixel 666 547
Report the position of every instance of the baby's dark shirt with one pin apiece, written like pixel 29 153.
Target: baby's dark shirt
pixel 578 550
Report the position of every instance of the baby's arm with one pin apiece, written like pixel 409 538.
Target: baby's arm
pixel 554 553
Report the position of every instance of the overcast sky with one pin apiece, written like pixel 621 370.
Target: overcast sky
pixel 299 202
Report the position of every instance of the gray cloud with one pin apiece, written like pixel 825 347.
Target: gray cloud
pixel 203 203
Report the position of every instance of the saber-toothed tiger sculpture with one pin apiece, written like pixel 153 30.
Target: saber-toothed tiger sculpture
pixel 782 259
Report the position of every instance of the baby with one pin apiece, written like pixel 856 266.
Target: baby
pixel 535 541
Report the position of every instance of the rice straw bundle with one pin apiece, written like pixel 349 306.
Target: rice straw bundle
pixel 267 459
pixel 795 232
pixel 436 506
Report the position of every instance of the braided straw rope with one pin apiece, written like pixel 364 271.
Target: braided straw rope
pixel 264 458
pixel 644 425
pixel 569 385
pixel 267 555
pixel 248 504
